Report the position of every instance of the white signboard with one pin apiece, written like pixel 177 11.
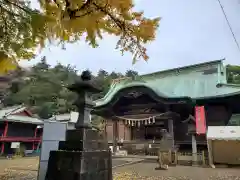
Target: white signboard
pixel 15 145
pixel 73 117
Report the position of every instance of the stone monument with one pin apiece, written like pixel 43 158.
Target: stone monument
pixel 163 152
pixel 85 154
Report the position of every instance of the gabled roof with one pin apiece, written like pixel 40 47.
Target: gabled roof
pixel 11 110
pixel 23 119
pixel 199 81
pixel 10 114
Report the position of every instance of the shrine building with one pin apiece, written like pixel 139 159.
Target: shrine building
pixel 184 101
pixel 19 129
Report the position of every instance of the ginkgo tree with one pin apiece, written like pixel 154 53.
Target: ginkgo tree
pixel 23 29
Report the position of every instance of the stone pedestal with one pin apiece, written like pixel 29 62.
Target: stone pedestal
pixel 164 152
pixel 83 156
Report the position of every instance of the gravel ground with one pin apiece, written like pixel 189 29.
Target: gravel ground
pixel 26 169
pixel 147 171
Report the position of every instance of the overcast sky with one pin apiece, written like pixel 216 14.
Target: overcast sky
pixel 190 32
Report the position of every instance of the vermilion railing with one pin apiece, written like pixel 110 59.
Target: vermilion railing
pixel 20 139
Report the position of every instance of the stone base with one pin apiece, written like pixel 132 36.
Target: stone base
pixel 83 140
pixel 83 156
pixel 67 165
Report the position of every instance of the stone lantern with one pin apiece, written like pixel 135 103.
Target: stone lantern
pixel 84 88
pixel 85 153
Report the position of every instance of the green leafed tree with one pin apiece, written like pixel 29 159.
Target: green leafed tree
pixel 131 73
pixel 43 88
pixel 233 74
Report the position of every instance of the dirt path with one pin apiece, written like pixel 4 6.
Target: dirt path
pixel 26 169
pixel 30 163
pixel 147 171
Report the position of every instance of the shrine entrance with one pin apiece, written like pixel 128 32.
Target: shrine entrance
pixel 144 113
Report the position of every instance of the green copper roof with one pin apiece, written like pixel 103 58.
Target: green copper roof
pixel 198 81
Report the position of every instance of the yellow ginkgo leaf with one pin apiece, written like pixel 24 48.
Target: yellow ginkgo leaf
pixel 7 65
pixel 76 20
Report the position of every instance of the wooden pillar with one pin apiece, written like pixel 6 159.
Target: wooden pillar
pixel 210 154
pixel 35 135
pixel 203 159
pixel 4 135
pixel 171 131
pixel 115 135
pixel 194 150
pixel 2 148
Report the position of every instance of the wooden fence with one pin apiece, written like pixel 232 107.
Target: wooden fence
pixel 176 157
pixel 185 158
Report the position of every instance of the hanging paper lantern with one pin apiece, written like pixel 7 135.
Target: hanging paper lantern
pixel 153 119
pixel 139 123
pixel 149 121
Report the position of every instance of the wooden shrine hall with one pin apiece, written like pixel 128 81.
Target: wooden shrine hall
pixel 184 101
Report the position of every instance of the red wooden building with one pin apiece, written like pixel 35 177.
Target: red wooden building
pixel 18 125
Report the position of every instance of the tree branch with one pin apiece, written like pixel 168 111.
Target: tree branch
pixel 16 5
pixel 117 21
pixel 82 15
pixel 72 13
pixel 122 25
